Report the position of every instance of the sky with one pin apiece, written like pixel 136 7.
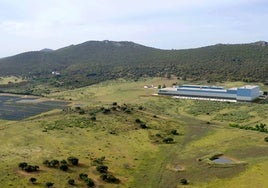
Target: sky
pixel 32 25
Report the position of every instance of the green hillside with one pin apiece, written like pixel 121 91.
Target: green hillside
pixel 95 61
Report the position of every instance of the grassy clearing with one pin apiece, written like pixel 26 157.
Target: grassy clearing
pixel 137 156
pixel 10 79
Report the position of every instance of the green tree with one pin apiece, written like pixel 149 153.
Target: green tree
pixel 32 180
pixel 83 176
pixel 89 182
pixel 54 163
pixel 23 165
pixel 184 181
pixel 49 184
pixel 102 168
pixel 73 160
pixel 64 167
pixel 71 182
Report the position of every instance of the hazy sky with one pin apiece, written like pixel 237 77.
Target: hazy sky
pixel 27 25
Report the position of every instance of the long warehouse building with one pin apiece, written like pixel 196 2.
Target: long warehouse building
pixel 245 93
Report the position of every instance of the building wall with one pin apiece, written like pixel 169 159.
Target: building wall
pixel 246 93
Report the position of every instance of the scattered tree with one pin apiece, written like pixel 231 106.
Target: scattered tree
pixel 73 160
pixel 89 182
pixel 168 140
pixel 174 132
pixel 102 168
pixel 71 182
pixel 23 165
pixel 64 167
pixel 83 176
pixel 109 178
pixel 184 181
pixel 32 180
pixel 49 184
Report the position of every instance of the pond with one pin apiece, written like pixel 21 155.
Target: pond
pixel 223 160
pixel 16 107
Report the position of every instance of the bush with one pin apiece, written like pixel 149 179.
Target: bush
pixel 266 139
pixel 106 111
pixel 168 140
pixel 83 176
pixel 22 165
pixel 184 181
pixel 31 168
pixel 138 120
pixel 73 160
pixel 98 161
pixel 93 118
pixel 63 162
pixel 71 182
pixel 109 178
pixel 54 163
pixel 102 168
pixel 174 132
pixel 64 167
pixel 49 184
pixel 32 180
pixel 89 182
pixel 143 126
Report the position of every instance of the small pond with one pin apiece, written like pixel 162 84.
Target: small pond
pixel 223 160
pixel 16 107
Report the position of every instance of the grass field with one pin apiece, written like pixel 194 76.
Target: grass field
pixel 10 79
pixel 138 156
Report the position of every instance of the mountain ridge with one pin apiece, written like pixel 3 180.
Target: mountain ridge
pixel 94 61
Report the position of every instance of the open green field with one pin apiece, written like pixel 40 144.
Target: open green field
pixel 126 124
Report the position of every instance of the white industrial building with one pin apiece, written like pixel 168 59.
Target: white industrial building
pixel 245 93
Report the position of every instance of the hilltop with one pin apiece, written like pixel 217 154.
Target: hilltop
pixel 95 61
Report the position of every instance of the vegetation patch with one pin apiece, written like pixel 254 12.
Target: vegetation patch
pixel 259 127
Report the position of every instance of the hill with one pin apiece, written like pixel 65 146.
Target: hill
pixel 95 61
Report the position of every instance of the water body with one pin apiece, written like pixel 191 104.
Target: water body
pixel 15 107
pixel 223 160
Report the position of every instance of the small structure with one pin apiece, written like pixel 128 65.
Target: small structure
pixel 245 93
pixel 148 86
pixel 55 73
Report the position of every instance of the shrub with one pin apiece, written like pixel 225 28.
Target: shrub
pixel 138 120
pixel 174 132
pixel 63 162
pixel 49 184
pixel 54 163
pixel 22 165
pixel 98 161
pixel 184 181
pixel 168 140
pixel 93 118
pixel 102 168
pixel 106 111
pixel 143 126
pixel 32 180
pixel 31 168
pixel 83 176
pixel 71 182
pixel 89 182
pixel 109 178
pixel 64 167
pixel 73 160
